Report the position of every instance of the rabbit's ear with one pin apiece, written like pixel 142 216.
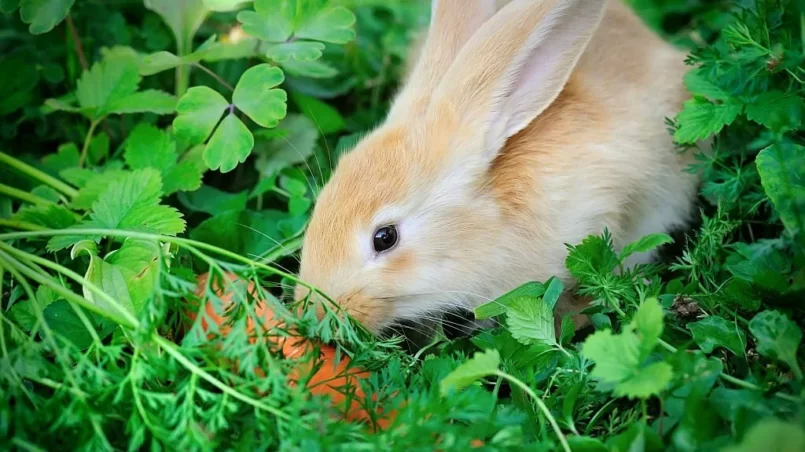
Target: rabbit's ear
pixel 513 68
pixel 452 24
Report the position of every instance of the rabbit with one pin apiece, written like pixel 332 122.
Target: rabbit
pixel 519 130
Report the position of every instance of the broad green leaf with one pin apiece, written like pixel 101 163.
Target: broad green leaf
pixel 66 156
pixel 552 293
pixel 255 95
pixel 148 101
pixel 648 323
pixel 530 320
pixel 299 206
pixel 567 331
pixel 284 151
pixel 45 192
pixel 776 110
pixel 700 85
pixel 700 119
pixel 244 232
pixel 332 24
pixel 777 337
pixel 646 381
pixel 310 69
pixel 327 119
pixel 297 50
pixel 231 143
pixel 271 20
pixel 107 82
pixel 782 173
pixel 43 15
pixel 198 112
pixel 63 321
pixel 182 17
pixel 616 357
pixel 500 305
pixel 106 277
pixel 184 176
pixel 213 201
pixel 158 62
pixel 715 331
pixel 149 147
pixel 52 216
pixel 98 149
pixel 138 262
pixel 586 444
pixel 24 312
pixel 95 184
pixel 131 202
pixel 481 365
pixel 772 434
pixel 645 244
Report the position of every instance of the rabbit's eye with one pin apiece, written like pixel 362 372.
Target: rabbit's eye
pixel 385 238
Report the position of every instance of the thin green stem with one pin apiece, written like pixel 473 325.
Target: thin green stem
pixel 540 405
pixel 87 141
pixel 215 76
pixel 126 318
pixel 24 225
pixel 171 349
pixel 34 173
pixel 24 196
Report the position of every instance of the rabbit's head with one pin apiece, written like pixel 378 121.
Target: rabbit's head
pixel 409 225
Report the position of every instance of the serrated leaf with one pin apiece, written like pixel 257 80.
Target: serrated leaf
pixel 198 112
pixel 776 110
pixel 51 216
pixel 715 331
pixel 149 147
pixel 333 24
pixel 700 85
pixel 782 173
pixel 593 255
pixel 109 81
pixel 700 119
pixel 778 337
pixel 616 357
pixel 297 50
pixel 66 156
pixel 231 143
pixel 646 381
pixel 256 96
pixel 130 202
pixel 184 176
pixel 148 101
pixel 24 312
pixel 645 244
pixel 648 323
pixel 44 15
pixel 96 183
pixel 530 320
pixel 294 148
pixel 481 365
pixel 500 305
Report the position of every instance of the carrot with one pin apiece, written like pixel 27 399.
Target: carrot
pixel 332 379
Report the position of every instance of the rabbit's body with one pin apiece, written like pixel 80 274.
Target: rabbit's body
pixel 487 170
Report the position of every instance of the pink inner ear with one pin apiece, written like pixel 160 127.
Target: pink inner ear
pixel 542 69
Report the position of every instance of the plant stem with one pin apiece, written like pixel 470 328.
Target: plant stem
pixel 87 141
pixel 34 173
pixel 79 49
pixel 170 347
pixel 540 405
pixel 24 196
pixel 212 74
pixel 21 225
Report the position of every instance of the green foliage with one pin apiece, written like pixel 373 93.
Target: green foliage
pixel 121 194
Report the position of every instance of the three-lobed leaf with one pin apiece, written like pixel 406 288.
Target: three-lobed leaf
pixel 257 96
pixel 43 15
pixel 231 143
pixel 198 112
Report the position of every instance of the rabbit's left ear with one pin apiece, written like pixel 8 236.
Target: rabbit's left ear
pixel 514 67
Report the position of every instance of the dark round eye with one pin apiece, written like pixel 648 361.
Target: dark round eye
pixel 385 238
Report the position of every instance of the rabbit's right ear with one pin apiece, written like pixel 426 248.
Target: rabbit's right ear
pixel 452 24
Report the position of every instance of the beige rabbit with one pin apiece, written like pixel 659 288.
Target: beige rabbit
pixel 518 131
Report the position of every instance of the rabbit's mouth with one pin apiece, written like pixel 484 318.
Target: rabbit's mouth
pixel 454 324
